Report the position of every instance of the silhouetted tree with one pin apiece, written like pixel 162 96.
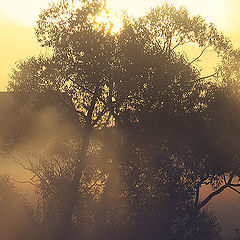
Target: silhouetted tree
pixel 138 83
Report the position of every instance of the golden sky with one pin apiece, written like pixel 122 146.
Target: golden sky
pixel 17 20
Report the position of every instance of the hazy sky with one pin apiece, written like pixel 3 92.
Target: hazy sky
pixel 17 19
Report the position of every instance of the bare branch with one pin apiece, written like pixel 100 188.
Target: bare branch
pixel 218 191
pixel 165 44
pixel 36 174
pixel 209 76
pixel 235 190
pixel 235 185
pixel 199 56
pixel 24 182
pixel 213 194
pixel 180 43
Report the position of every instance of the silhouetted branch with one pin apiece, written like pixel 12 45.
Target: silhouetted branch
pixel 39 175
pixel 180 43
pixel 235 190
pixel 213 194
pixel 92 105
pixel 110 105
pixel 209 76
pixel 235 185
pixel 24 182
pixel 198 57
pixel 218 191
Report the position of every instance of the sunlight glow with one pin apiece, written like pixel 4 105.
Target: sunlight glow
pixel 26 11
pixel 111 20
pixel 211 10
pixel 137 8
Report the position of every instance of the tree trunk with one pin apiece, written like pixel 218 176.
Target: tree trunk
pixel 65 225
pixel 65 230
pixel 111 192
pixel 108 200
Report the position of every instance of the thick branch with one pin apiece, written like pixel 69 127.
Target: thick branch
pixel 218 191
pixel 213 194
pixel 235 185
pixel 92 105
pixel 235 190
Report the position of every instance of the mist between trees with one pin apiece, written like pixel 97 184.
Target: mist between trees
pixel 120 131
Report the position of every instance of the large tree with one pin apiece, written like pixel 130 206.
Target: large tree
pixel 139 81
